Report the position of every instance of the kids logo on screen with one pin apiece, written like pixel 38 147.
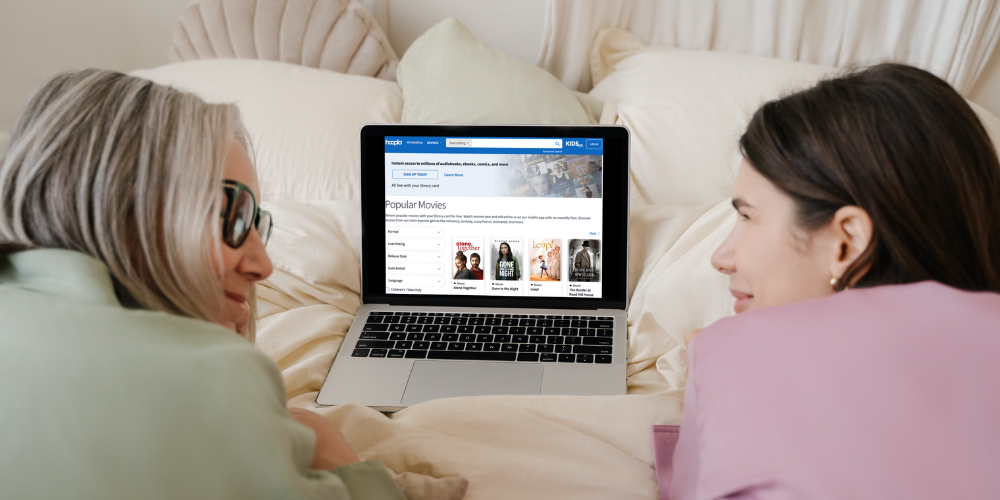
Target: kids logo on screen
pixel 465 246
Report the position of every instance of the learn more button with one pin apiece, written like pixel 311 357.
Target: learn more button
pixel 414 174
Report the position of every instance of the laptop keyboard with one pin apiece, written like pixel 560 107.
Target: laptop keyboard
pixel 486 337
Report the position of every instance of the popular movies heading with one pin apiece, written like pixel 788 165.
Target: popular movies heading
pixel 404 205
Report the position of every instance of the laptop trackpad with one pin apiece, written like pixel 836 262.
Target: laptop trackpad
pixel 447 379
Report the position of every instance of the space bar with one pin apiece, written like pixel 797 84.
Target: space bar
pixel 473 355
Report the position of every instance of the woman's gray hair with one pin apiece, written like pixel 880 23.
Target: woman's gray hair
pixel 128 172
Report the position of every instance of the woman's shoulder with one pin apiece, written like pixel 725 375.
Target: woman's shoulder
pixel 876 320
pixel 212 351
pixel 913 303
pixel 117 334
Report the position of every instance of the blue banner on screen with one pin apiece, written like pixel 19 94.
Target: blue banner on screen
pixel 494 145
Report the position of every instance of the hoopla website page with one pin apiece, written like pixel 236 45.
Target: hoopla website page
pixel 493 216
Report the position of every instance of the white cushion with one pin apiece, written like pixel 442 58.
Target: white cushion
pixel 448 76
pixel 303 122
pixel 686 111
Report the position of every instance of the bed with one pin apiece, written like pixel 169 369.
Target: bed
pixel 685 110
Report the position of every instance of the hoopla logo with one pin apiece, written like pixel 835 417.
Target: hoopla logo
pixel 393 143
pixel 574 144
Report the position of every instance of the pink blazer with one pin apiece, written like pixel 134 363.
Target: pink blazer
pixel 880 393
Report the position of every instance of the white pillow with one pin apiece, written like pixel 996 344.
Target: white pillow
pixel 448 76
pixel 686 111
pixel 303 122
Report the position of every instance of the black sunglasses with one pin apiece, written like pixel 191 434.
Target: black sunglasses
pixel 242 214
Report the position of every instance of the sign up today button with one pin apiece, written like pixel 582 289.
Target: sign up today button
pixel 414 174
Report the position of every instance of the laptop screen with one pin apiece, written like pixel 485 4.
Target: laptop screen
pixel 472 216
pixel 508 216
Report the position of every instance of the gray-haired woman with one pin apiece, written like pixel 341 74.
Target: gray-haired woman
pixel 129 232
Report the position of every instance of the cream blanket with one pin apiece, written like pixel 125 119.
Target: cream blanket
pixel 506 446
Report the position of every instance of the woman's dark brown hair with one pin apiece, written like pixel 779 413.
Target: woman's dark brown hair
pixel 901 144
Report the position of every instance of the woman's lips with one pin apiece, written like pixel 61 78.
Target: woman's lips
pixel 743 300
pixel 235 297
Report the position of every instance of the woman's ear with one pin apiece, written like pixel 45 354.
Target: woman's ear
pixel 852 233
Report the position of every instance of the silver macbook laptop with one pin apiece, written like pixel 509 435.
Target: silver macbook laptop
pixel 494 261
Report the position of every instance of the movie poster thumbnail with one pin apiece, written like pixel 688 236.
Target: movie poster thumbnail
pixel 585 260
pixel 505 259
pixel 467 255
pixel 545 259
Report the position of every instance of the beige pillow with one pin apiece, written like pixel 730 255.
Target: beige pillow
pixel 686 110
pixel 448 76
pixel 303 122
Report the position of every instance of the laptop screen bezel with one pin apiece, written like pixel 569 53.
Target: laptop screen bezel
pixel 615 215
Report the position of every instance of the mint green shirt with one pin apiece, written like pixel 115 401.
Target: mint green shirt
pixel 102 402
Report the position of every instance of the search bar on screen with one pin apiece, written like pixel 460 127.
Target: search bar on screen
pixel 504 143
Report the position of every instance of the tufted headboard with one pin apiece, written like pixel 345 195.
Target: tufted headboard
pixel 337 35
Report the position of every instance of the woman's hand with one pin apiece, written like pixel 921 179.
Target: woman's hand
pixel 332 449
pixel 688 337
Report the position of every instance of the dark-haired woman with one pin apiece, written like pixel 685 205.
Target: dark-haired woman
pixel 507 267
pixel 462 271
pixel 865 262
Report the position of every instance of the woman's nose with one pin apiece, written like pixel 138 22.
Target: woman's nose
pixel 723 259
pixel 255 265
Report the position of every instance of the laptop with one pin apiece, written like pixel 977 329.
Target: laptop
pixel 494 261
